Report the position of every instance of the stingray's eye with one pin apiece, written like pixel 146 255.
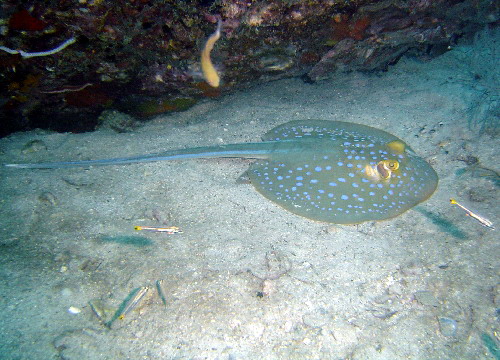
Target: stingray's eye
pixel 391 164
pixel 386 167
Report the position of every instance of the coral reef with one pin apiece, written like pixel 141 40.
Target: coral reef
pixel 136 49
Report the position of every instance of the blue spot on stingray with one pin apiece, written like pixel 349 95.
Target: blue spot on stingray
pixel 341 179
pixel 314 181
pixel 317 168
pixel 344 197
pixel 332 184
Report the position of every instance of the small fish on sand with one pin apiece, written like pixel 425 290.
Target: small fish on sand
pixel 134 301
pixel 161 293
pixel 482 220
pixel 169 230
pixel 131 301
pixel 209 72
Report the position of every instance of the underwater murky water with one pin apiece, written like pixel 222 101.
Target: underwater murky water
pixel 246 278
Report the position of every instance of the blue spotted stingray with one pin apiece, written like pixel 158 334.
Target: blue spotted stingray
pixel 330 171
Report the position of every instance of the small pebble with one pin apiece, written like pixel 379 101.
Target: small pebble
pixel 48 198
pixel 117 121
pixel 33 147
pixel 447 326
pixel 426 298
pixel 66 292
pixel 316 318
pixel 74 310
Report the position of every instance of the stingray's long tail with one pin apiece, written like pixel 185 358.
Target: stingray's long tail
pixel 245 150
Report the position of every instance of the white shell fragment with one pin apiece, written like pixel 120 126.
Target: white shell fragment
pixel 74 310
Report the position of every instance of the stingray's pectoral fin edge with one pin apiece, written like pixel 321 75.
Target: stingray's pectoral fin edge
pixel 243 178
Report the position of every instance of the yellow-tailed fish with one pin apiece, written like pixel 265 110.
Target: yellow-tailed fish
pixel 168 230
pixel 482 220
pixel 129 303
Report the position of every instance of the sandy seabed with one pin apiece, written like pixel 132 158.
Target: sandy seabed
pixel 247 279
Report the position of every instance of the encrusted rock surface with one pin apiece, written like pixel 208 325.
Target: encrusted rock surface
pixel 142 57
